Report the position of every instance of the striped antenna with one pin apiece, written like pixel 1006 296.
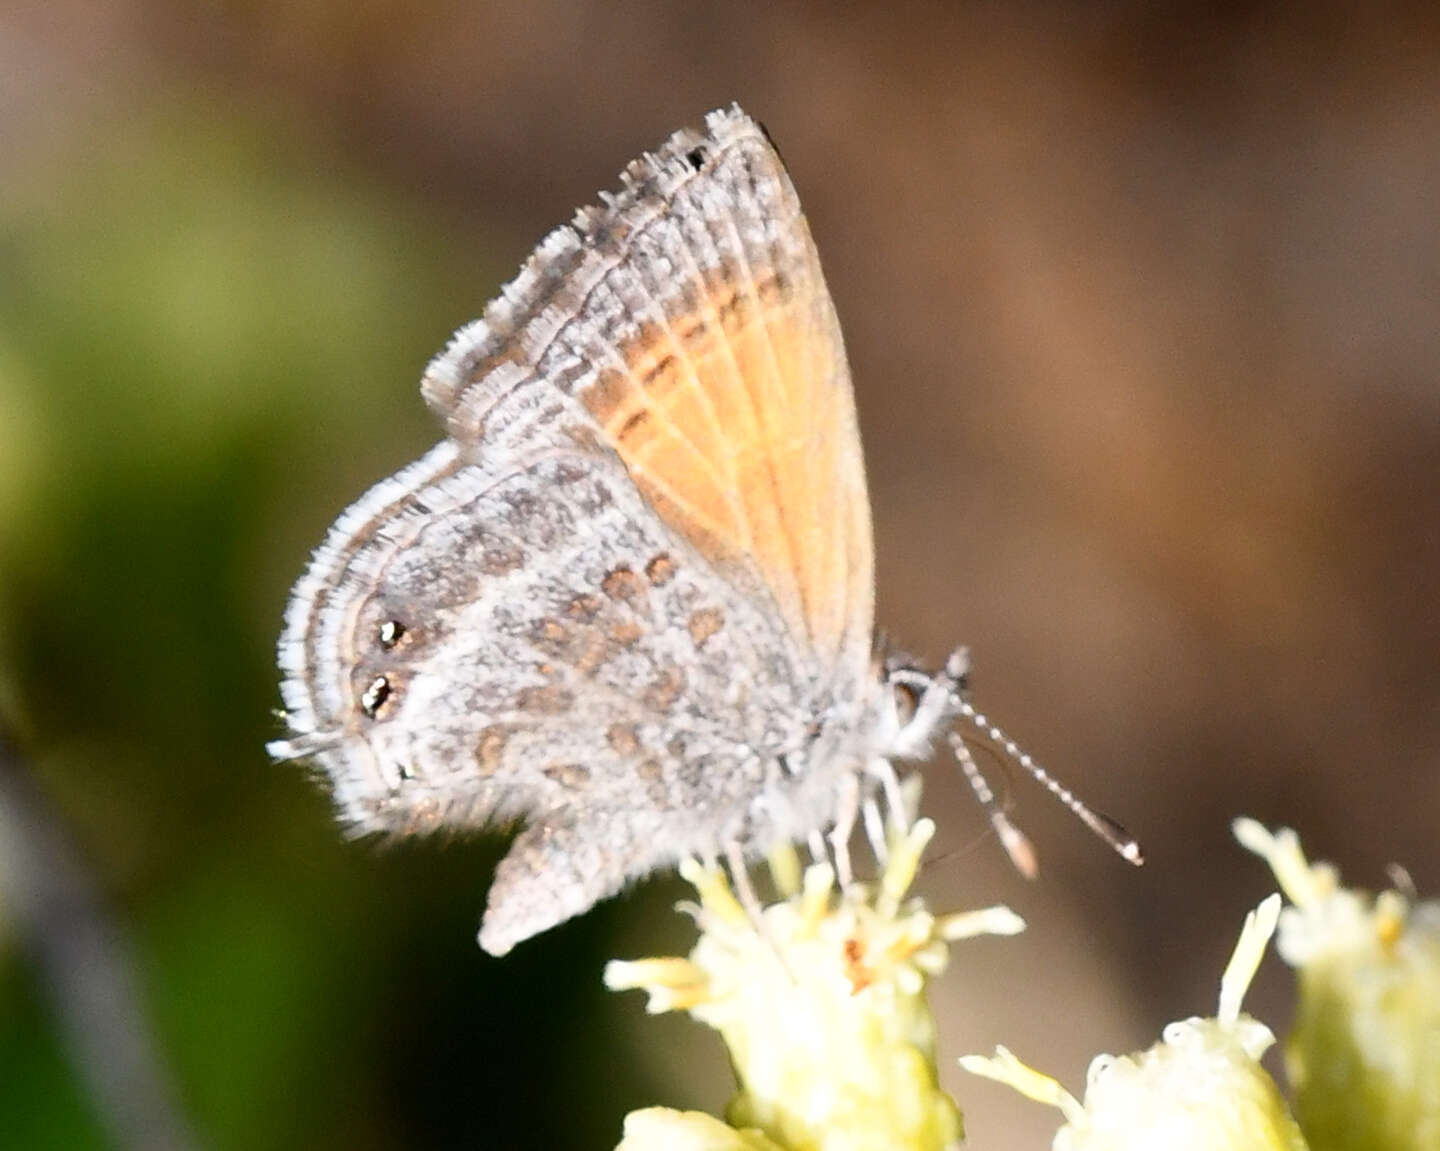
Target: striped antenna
pixel 1112 832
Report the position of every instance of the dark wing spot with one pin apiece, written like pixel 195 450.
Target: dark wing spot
pixel 665 365
pixel 692 336
pixel 623 584
pixel 695 158
pixel 705 623
pixel 605 397
pixel 632 423
pixel 665 689
pixel 735 312
pixel 373 698
pixel 623 738
pixel 626 633
pixel 598 498
pixel 660 570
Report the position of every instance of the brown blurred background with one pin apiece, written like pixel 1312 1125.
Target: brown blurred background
pixel 1143 307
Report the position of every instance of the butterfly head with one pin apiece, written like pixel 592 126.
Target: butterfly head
pixel 918 705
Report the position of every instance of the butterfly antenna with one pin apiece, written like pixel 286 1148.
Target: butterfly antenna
pixel 1112 832
pixel 1016 843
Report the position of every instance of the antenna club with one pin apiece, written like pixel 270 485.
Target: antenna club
pixel 1017 846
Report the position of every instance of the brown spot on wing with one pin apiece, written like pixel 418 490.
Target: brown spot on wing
pixel 665 689
pixel 549 634
pixel 634 422
pixel 490 748
pixel 653 774
pixel 584 607
pixel 626 633
pixel 623 584
pixel 623 738
pixel 705 623
pixel 591 652
pixel 579 644
pixel 552 699
pixel 660 570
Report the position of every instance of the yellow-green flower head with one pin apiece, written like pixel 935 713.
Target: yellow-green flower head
pixel 823 1007
pixel 1201 1088
pixel 1364 1057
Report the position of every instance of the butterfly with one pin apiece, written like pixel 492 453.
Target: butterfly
pixel 628 599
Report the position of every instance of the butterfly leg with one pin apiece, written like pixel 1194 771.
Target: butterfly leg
pixel 744 889
pixel 875 830
pixel 750 901
pixel 897 810
pixel 846 812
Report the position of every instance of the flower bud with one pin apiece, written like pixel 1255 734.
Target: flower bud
pixel 1364 1056
pixel 1201 1088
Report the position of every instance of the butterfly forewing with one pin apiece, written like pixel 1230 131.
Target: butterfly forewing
pixel 690 318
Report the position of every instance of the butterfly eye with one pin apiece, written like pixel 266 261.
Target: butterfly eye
pixel 907 699
pixel 374 696
pixel 391 633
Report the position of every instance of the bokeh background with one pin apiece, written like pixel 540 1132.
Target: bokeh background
pixel 1143 307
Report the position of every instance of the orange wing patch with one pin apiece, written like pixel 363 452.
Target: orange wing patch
pixel 737 423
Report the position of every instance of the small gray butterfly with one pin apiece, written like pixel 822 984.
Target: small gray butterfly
pixel 628 599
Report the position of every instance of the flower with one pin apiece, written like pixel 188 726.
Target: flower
pixel 1201 1088
pixel 1364 1057
pixel 821 1003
